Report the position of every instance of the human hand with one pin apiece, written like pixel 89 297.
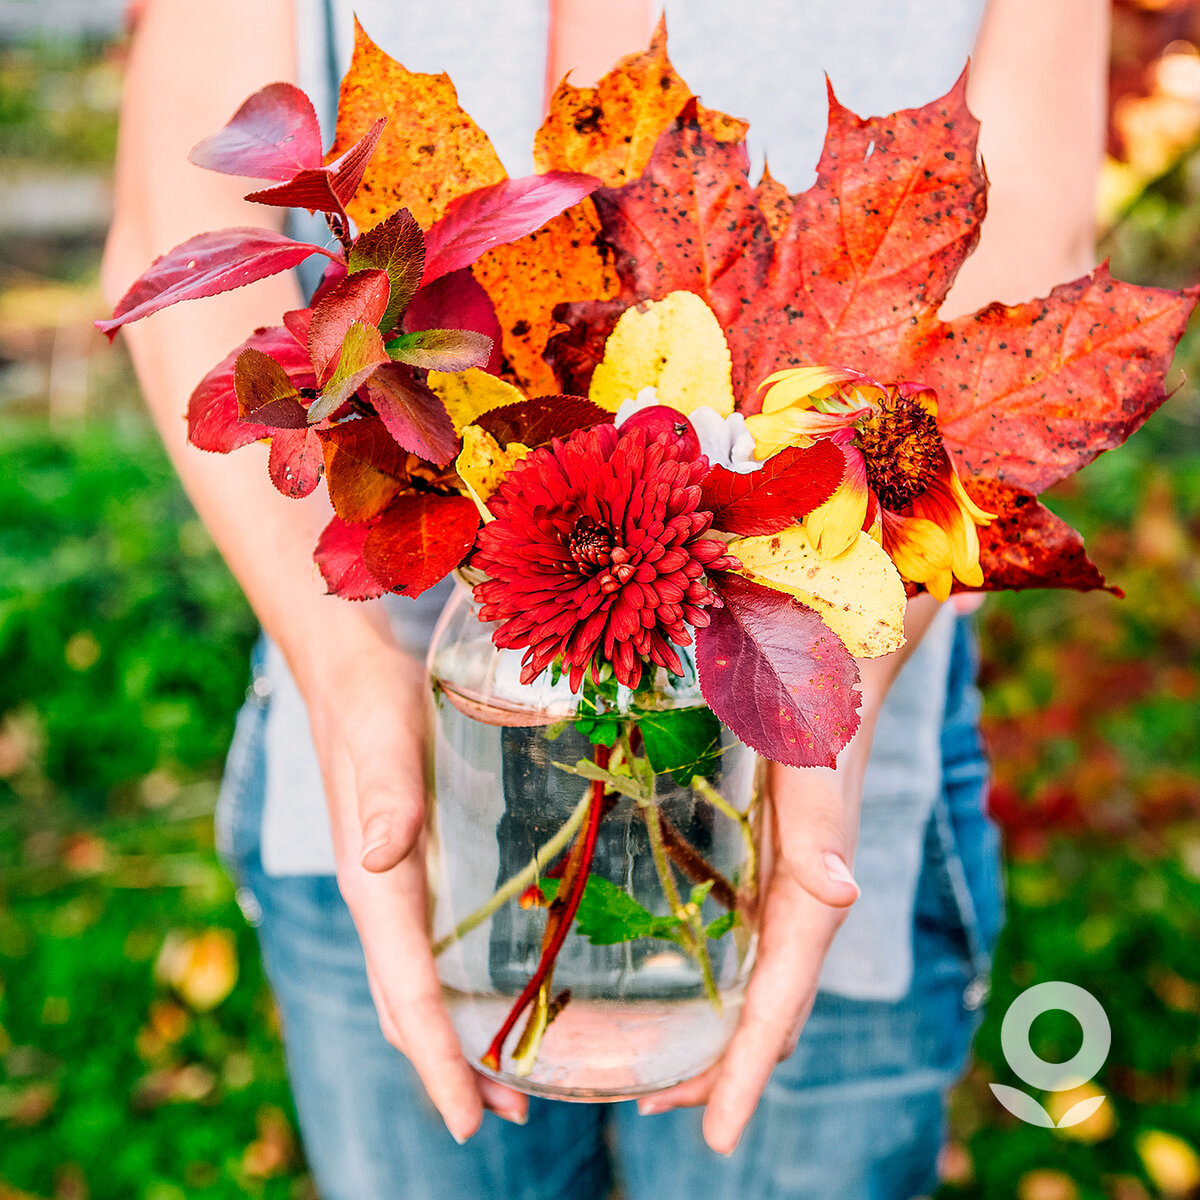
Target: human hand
pixel 366 702
pixel 808 892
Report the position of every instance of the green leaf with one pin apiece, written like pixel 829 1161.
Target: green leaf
pixel 722 925
pixel 625 785
pixel 596 719
pixel 607 915
pixel 442 349
pixel 397 247
pixel 684 741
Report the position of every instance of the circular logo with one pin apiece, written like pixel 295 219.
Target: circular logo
pixel 1046 997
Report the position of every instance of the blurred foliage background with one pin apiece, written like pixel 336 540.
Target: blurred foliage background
pixel 139 1052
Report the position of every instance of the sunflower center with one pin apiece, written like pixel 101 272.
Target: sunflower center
pixel 590 544
pixel 903 448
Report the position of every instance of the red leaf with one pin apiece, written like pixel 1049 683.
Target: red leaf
pixel 1031 393
pixel 579 349
pixel 775 674
pixel 339 555
pixel 325 189
pixel 442 349
pixel 364 468
pixel 419 540
pixel 362 296
pixel 689 223
pixel 272 136
pixel 212 415
pixel 412 413
pixel 534 422
pixel 872 247
pixel 458 300
pixel 1028 546
pixel 206 265
pixel 787 487
pixel 397 247
pixel 298 321
pixel 362 355
pixel 265 393
pixel 498 214
pixel 296 461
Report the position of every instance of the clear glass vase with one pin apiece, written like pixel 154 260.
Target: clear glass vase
pixel 646 984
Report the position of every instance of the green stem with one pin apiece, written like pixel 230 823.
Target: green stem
pixel 687 916
pixel 519 882
pixel 744 822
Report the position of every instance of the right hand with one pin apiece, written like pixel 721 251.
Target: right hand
pixel 366 703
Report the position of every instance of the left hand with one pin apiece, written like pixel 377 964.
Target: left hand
pixel 808 892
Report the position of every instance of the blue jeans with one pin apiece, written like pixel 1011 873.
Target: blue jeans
pixel 856 1113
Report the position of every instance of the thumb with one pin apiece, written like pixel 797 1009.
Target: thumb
pixel 814 833
pixel 389 785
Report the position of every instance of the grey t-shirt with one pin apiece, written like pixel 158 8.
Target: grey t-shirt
pixel 765 61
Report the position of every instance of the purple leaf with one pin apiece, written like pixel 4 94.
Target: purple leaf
pixel 397 247
pixel 776 675
pixel 212 415
pixel 442 349
pixel 362 354
pixel 205 266
pixel 413 414
pixel 361 297
pixel 457 300
pixel 265 393
pixel 272 136
pixel 502 212
pixel 325 189
pixel 296 461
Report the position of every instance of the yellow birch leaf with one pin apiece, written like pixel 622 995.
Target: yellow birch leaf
pixel 468 394
pixel 859 594
pixel 483 464
pixel 674 345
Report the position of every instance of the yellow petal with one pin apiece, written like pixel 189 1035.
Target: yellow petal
pixel 674 345
pixel 483 464
pixel 797 384
pixel 859 594
pixel 467 395
pixel 834 526
pixel 1172 1164
pixel 922 553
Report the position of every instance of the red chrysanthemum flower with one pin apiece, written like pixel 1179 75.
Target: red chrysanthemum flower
pixel 597 554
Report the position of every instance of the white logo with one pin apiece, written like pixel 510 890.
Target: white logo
pixel 1051 1076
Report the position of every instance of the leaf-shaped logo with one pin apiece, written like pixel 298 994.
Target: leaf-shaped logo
pixel 1077 1112
pixel 1023 1106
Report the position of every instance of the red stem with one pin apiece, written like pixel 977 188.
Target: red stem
pixel 556 931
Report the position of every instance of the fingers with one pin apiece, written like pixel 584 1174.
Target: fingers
pixel 814 833
pixel 503 1101
pixel 389 913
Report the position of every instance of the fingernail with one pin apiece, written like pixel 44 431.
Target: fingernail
pixel 513 1115
pixel 836 869
pixel 651 1106
pixel 374 836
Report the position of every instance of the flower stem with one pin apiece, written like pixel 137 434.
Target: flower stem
pixel 744 822
pixel 515 885
pixel 561 914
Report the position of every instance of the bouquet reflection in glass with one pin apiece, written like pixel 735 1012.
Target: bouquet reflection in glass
pixel 594 904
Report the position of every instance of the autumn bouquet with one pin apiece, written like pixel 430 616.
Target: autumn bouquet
pixel 687 443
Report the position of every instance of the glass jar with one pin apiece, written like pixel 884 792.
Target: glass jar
pixel 655 938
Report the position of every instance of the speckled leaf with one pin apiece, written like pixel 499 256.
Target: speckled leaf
pixel 419 540
pixel 339 555
pixel 872 246
pixel 773 672
pixel 689 223
pixel 610 130
pixel 1029 394
pixel 1027 545
pixel 430 151
pixel 563 261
